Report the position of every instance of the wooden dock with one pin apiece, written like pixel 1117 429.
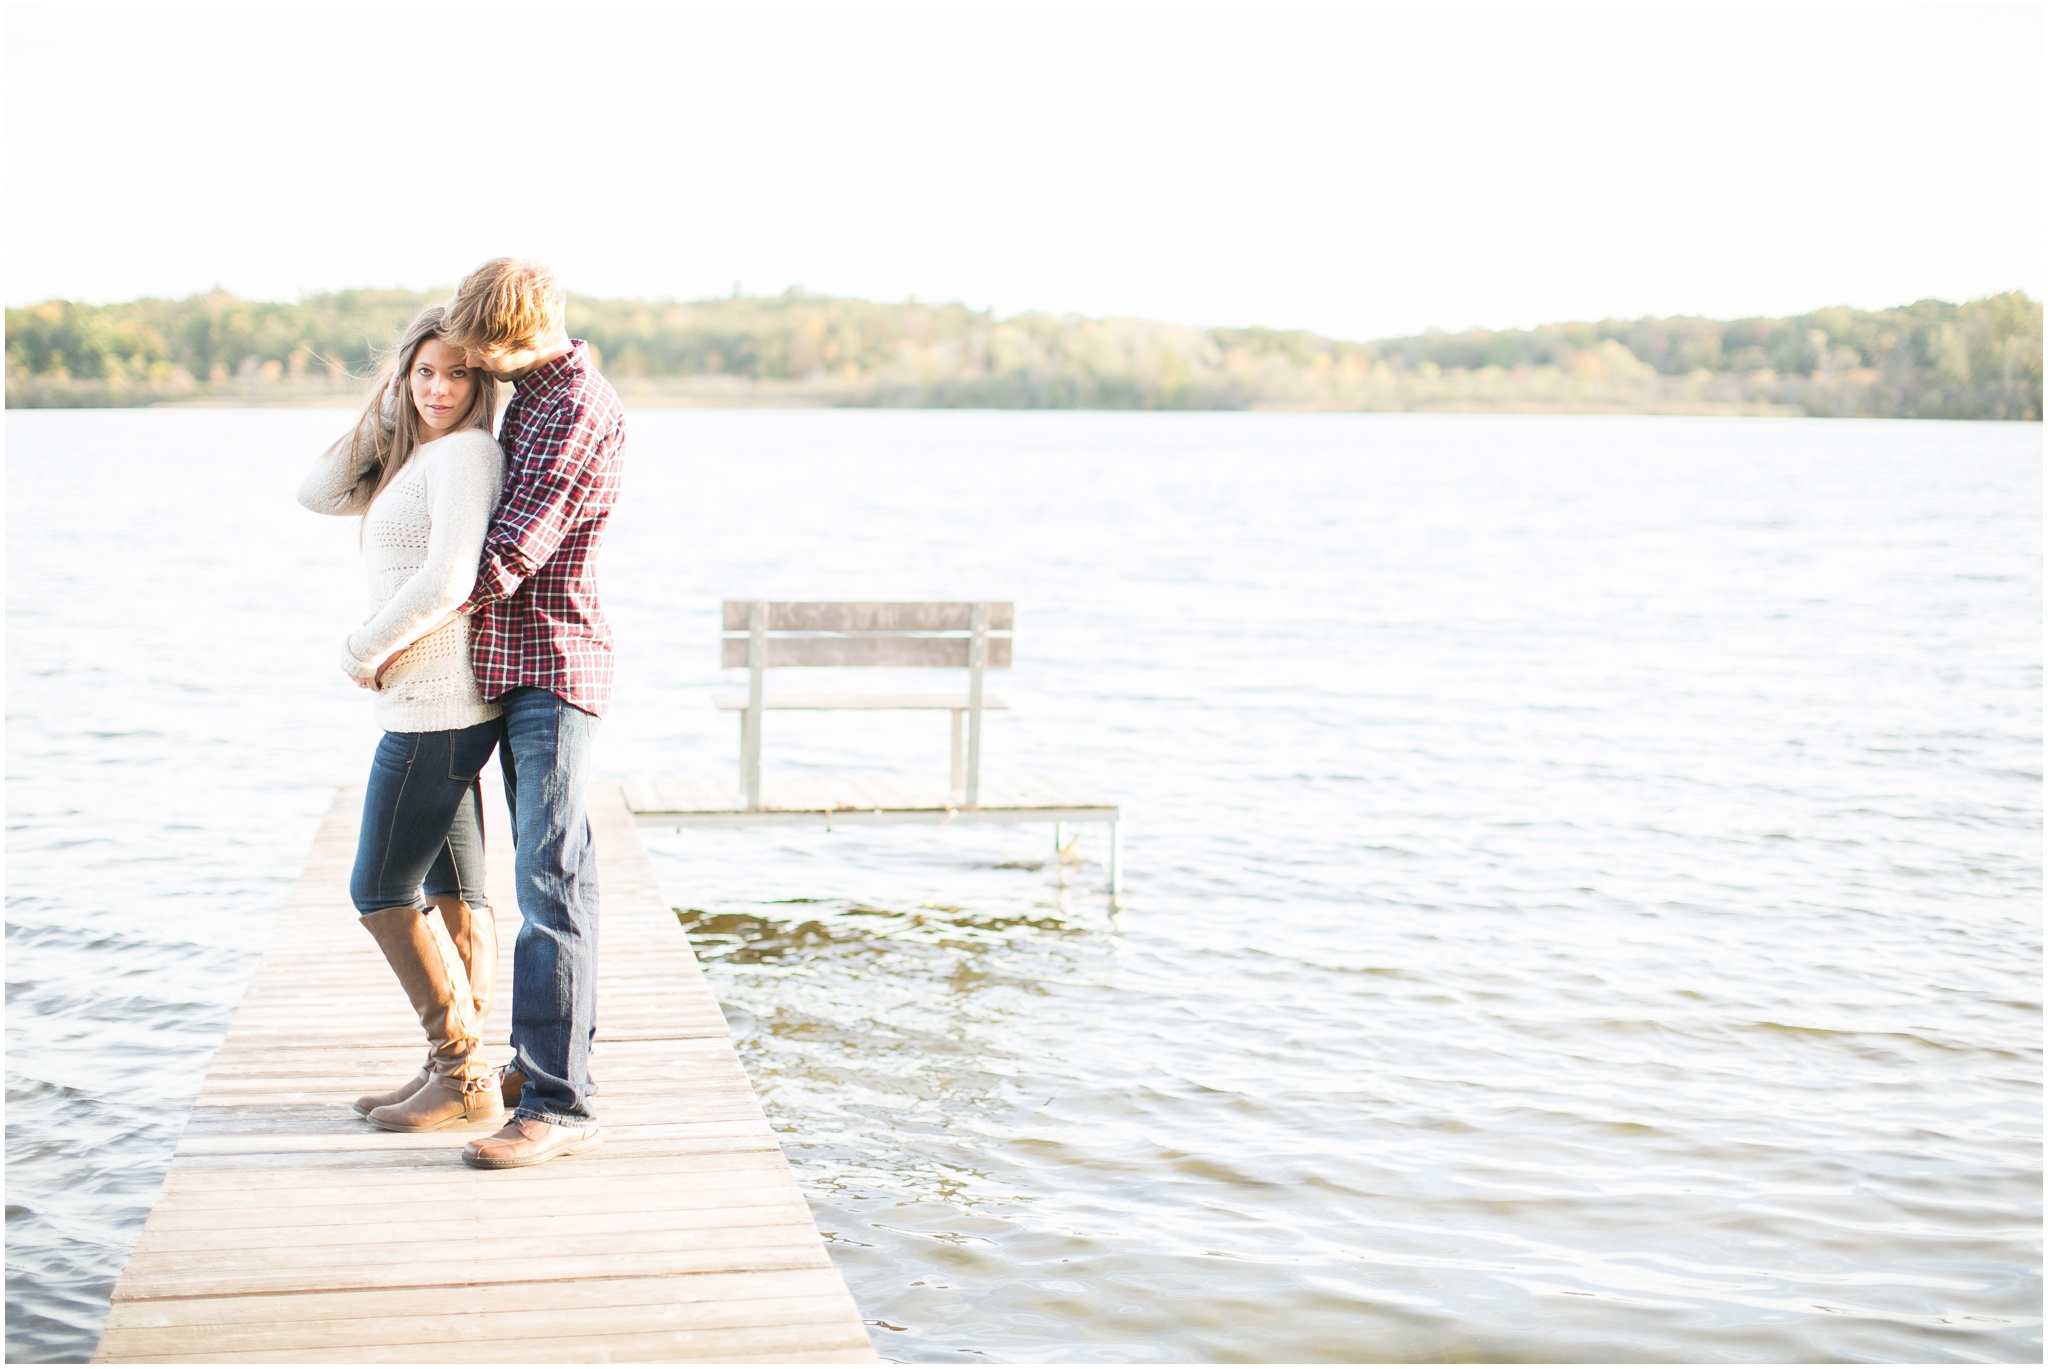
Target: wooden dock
pixel 875 801
pixel 289 1229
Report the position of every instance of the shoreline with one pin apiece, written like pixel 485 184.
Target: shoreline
pixel 801 395
pixel 1528 392
pixel 668 402
pixel 1977 360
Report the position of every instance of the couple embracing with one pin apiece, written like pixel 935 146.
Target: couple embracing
pixel 485 635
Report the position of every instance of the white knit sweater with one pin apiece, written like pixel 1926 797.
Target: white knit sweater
pixel 421 541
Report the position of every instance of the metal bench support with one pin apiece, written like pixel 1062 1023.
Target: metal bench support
pixel 977 662
pixel 750 721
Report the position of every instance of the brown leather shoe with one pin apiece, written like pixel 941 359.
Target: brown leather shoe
pixel 526 1141
pixel 511 1083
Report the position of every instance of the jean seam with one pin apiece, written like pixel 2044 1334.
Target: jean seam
pixel 391 827
pixel 447 849
pixel 560 1119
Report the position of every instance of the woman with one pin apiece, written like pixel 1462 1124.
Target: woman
pixel 422 470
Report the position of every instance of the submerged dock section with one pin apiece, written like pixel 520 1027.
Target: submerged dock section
pixel 290 1229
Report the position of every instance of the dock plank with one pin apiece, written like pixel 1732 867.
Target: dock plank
pixel 288 1229
pixel 511 1323
pixel 1004 798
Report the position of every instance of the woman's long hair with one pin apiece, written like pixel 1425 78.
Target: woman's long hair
pixel 385 450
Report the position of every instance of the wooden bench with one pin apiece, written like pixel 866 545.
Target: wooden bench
pixel 761 635
pixel 973 637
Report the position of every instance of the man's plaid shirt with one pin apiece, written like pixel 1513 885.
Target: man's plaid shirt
pixel 536 617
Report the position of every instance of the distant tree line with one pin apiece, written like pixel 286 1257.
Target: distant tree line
pixel 1980 359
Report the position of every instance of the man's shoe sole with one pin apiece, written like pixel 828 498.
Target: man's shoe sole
pixel 558 1152
pixel 462 1119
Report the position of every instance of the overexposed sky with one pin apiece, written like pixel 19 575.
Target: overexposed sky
pixel 1361 169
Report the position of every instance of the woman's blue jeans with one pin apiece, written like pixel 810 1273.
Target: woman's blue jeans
pixel 422 828
pixel 546 760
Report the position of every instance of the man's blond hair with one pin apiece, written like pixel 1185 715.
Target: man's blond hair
pixel 505 305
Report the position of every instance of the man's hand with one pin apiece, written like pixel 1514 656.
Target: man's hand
pixel 376 681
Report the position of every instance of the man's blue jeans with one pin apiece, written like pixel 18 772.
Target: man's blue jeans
pixel 546 757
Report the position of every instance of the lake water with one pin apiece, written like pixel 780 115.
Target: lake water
pixel 1584 874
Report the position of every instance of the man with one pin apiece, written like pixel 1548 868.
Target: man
pixel 541 647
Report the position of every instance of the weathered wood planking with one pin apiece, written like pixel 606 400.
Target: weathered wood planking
pixel 288 1229
pixel 894 703
pixel 706 801
pixel 845 616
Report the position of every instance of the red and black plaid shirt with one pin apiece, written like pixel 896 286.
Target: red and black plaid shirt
pixel 536 617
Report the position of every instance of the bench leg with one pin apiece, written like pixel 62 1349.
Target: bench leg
pixel 750 726
pixel 1059 842
pixel 750 758
pixel 959 758
pixel 1116 862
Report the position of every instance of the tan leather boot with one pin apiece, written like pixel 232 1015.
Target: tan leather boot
pixel 370 1102
pixel 475 934
pixel 460 1089
pixel 511 1084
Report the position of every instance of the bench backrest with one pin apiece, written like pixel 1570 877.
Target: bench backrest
pixel 866 634
pixel 837 633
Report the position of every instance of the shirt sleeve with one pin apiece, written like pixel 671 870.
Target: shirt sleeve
pixel 462 488
pixel 338 484
pixel 545 491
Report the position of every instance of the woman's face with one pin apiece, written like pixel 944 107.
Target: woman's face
pixel 443 386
